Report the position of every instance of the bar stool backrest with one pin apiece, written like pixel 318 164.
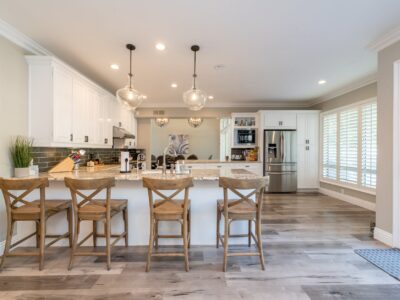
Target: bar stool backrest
pixel 155 186
pixel 26 187
pixel 256 187
pixel 77 186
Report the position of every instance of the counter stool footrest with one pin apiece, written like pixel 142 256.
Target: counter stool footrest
pixel 169 236
pixel 23 253
pixel 243 254
pixel 168 254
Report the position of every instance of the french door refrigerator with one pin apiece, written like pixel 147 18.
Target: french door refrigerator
pixel 280 160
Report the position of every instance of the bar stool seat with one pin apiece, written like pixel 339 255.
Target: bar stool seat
pixel 241 208
pixel 31 211
pixel 96 209
pixel 173 209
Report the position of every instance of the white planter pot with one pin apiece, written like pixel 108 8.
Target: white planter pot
pixel 21 172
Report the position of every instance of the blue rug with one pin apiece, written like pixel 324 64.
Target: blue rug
pixel 386 259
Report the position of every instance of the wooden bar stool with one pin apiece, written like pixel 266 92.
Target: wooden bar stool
pixel 86 208
pixel 169 209
pixel 38 211
pixel 242 209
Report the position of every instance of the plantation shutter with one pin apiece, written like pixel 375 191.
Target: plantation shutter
pixel 369 145
pixel 348 146
pixel 329 153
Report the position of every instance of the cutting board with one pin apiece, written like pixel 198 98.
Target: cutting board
pixel 66 165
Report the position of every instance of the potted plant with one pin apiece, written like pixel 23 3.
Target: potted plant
pixel 21 154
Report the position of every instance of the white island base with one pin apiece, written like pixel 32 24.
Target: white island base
pixel 203 198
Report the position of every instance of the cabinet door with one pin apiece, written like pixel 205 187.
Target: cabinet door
pixel 272 119
pixel 62 99
pixel 79 115
pixel 280 120
pixel 93 117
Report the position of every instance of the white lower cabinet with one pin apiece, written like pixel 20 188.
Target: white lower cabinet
pixel 253 167
pixel 307 150
pixel 68 110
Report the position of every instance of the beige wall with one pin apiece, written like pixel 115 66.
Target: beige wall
pixel 384 192
pixel 13 108
pixel 144 138
pixel 203 140
pixel 363 93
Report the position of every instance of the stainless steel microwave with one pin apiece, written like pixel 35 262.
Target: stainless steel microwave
pixel 245 137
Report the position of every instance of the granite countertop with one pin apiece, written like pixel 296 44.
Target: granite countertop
pixel 215 161
pixel 113 171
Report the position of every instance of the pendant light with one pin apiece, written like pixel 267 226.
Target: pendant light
pixel 195 122
pixel 128 94
pixel 194 98
pixel 161 122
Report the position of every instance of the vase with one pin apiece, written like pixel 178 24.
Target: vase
pixel 21 172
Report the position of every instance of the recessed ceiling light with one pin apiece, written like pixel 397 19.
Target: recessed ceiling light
pixel 114 67
pixel 144 97
pixel 160 46
pixel 211 97
pixel 219 67
pixel 174 85
pixel 322 81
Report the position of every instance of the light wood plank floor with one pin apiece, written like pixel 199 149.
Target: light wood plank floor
pixel 308 243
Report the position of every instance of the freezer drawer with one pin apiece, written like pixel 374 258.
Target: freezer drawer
pixel 282 182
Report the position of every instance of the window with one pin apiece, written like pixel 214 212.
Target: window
pixel 349 146
pixel 329 146
pixel 369 145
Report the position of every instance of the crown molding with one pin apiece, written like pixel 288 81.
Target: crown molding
pixel 347 89
pixel 385 40
pixel 245 104
pixel 12 34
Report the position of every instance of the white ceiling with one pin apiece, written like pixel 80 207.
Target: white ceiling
pixel 272 50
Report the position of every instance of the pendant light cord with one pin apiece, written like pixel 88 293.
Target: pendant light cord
pixel 130 68
pixel 194 71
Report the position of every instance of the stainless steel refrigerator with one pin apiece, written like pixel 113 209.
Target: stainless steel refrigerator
pixel 280 160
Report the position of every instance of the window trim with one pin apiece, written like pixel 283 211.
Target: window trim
pixel 356 186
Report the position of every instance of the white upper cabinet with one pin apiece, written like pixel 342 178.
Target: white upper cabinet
pixel 307 149
pixel 68 110
pixel 279 119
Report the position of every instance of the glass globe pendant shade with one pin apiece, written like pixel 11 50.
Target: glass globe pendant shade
pixel 195 99
pixel 130 96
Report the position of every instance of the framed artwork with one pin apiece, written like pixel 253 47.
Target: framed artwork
pixel 180 143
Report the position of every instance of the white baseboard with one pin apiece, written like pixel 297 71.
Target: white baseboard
pixel 350 199
pixel 383 236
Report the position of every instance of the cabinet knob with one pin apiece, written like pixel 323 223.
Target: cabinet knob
pixel 71 137
pixel 105 141
pixel 86 139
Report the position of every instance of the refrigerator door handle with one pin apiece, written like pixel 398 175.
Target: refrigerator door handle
pixel 282 147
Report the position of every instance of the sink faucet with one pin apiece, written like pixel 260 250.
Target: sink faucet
pixel 164 167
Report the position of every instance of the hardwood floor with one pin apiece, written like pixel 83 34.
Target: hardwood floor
pixel 308 245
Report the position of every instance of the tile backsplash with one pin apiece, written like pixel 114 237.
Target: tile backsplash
pixel 47 157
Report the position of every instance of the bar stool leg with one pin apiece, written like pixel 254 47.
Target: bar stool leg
pixel 259 240
pixel 185 244
pixel 37 234
pixel 156 234
pixel 151 243
pixel 10 227
pixel 188 233
pixel 125 215
pixel 249 233
pixel 108 245
pixel 75 243
pixel 218 225
pixel 226 238
pixel 94 233
pixel 42 242
pixel 70 226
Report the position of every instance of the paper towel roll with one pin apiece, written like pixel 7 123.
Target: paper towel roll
pixel 125 162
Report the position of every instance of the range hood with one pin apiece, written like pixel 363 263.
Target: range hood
pixel 121 133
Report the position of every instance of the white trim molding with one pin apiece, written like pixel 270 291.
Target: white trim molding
pixel 385 40
pixel 350 199
pixel 20 39
pixel 396 151
pixel 383 236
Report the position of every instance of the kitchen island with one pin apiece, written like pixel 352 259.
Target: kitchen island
pixel 129 186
